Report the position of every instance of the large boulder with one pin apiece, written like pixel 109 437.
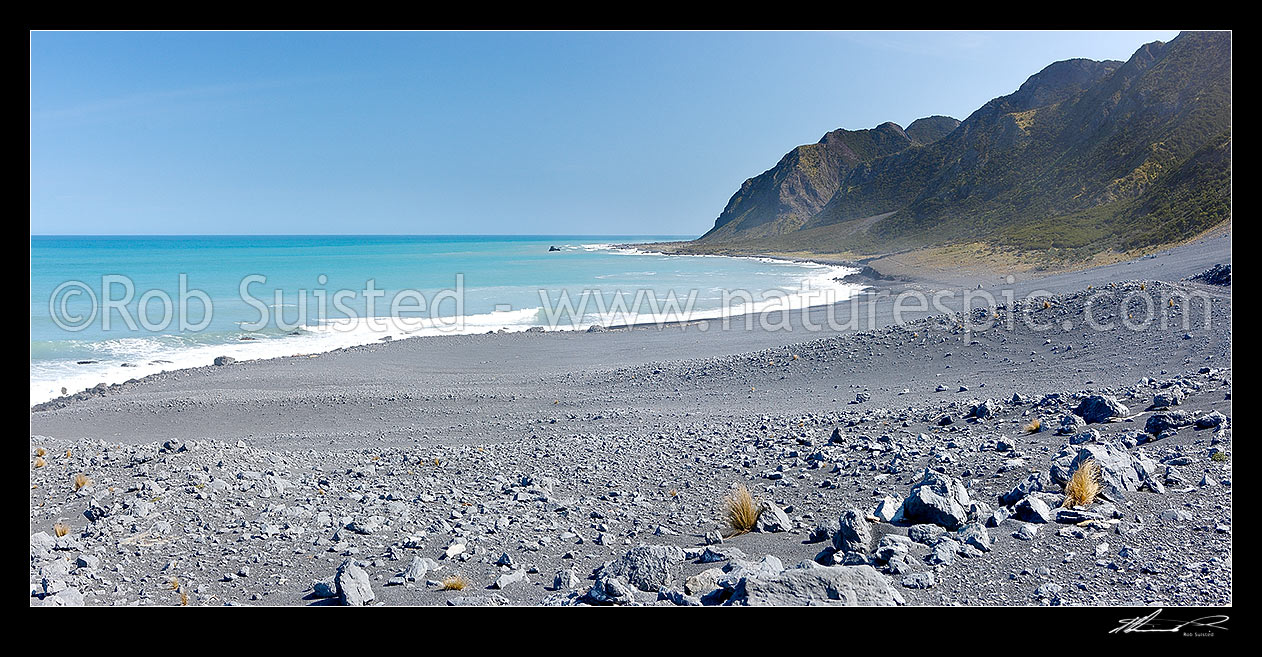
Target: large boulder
pixel 1100 408
pixel 771 519
pixel 1032 509
pixel 974 535
pixel 854 533
pixel 1120 471
pixel 354 588
pixel 818 585
pixel 937 499
pixel 1159 423
pixel 647 567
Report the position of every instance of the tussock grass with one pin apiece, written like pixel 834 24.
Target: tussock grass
pixel 61 529
pixel 1033 427
pixel 740 510
pixel 40 451
pixel 183 599
pixel 1084 484
pixel 455 583
pixel 81 481
pixel 39 462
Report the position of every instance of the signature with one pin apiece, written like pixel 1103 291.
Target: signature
pixel 1151 623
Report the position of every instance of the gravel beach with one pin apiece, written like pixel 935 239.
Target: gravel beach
pixel 909 463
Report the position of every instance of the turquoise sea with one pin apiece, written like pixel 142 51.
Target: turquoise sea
pixel 441 285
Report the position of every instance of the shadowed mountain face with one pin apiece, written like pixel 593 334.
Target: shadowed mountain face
pixel 783 198
pixel 1084 156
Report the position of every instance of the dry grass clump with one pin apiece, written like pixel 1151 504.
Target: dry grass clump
pixel 40 451
pixel 61 529
pixel 1034 426
pixel 39 462
pixel 740 510
pixel 1083 485
pixel 81 481
pixel 455 583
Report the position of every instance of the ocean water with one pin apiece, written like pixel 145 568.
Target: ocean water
pixel 109 309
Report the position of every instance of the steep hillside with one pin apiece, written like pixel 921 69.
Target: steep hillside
pixel 781 199
pixel 1083 157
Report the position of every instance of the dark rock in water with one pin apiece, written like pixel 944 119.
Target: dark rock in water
pixel 247 338
pixel 867 273
pixel 224 360
pixel 87 362
pixel 553 248
pixel 535 329
pixel 596 328
pixel 1216 275
pixel 1100 408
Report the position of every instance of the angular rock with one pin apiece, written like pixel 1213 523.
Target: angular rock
pixel 937 499
pixel 772 519
pixel 354 588
pixel 819 585
pixel 1100 408
pixel 647 567
pixel 854 533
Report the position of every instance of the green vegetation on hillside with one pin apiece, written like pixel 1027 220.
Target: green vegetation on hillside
pixel 1084 157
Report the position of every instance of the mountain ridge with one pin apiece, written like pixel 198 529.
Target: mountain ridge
pixel 1085 156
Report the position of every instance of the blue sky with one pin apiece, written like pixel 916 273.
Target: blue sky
pixel 457 132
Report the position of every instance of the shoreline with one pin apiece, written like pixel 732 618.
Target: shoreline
pixel 105 387
pixel 417 461
pixel 873 287
pixel 924 267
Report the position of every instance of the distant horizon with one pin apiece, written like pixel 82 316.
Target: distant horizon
pixel 501 133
